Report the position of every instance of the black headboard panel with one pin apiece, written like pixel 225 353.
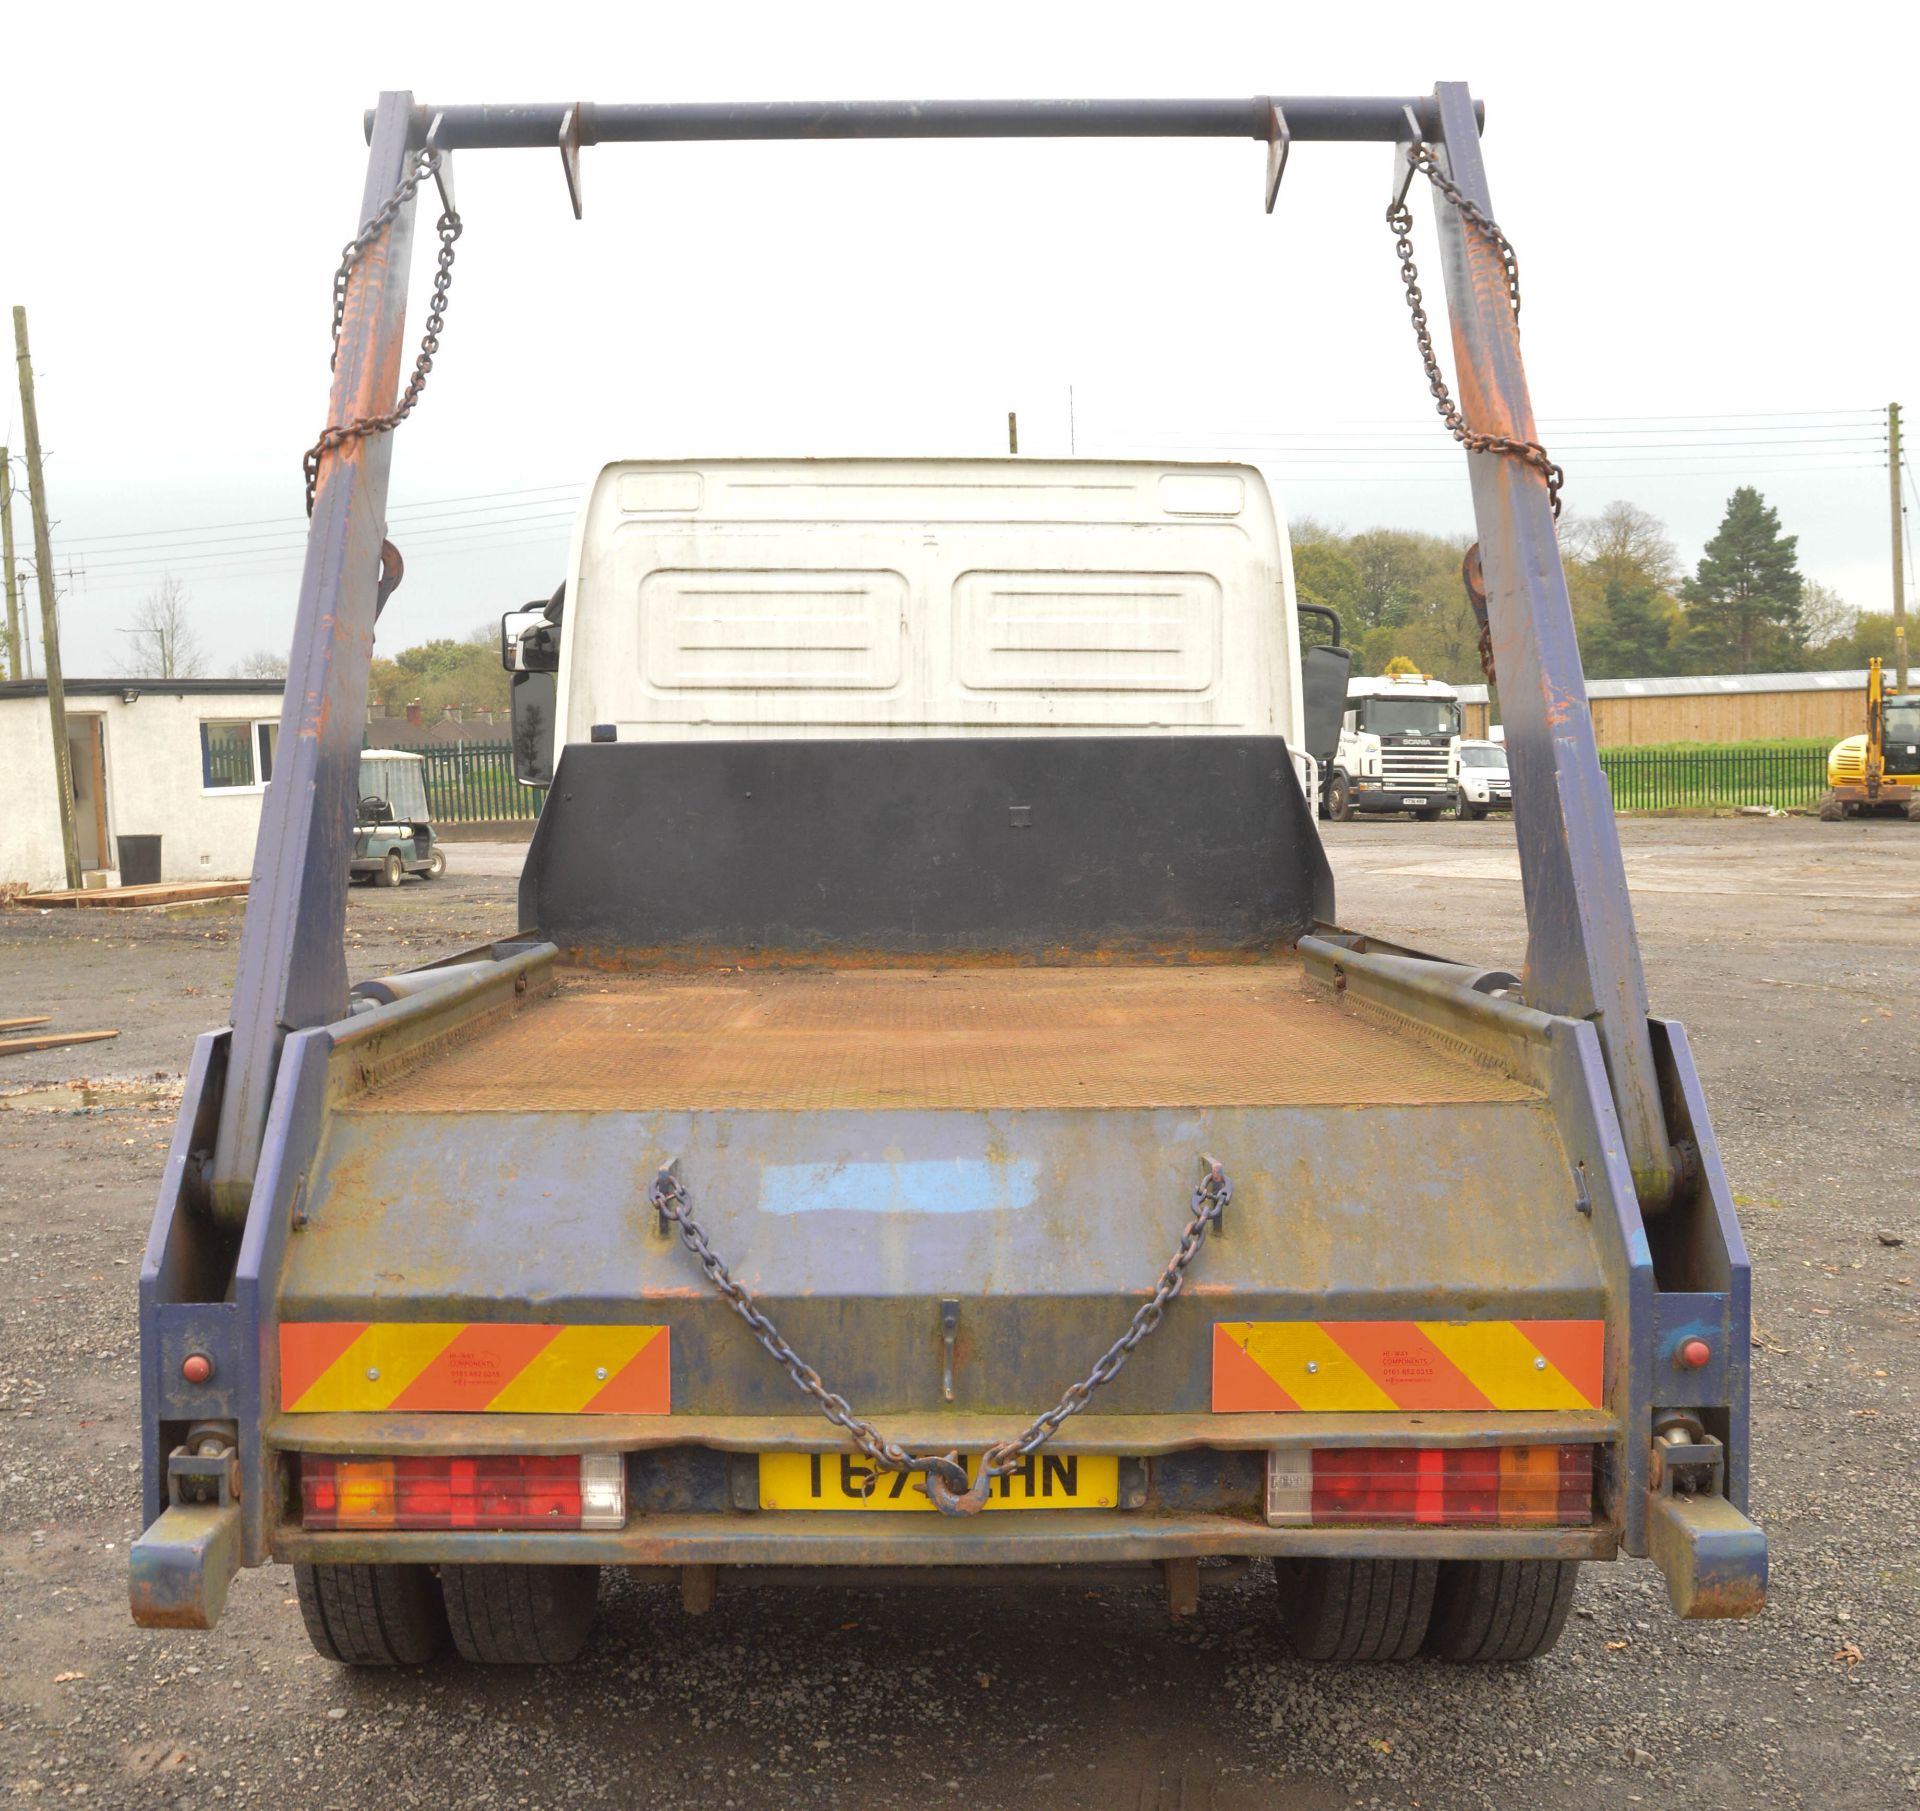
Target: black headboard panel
pixel 1037 847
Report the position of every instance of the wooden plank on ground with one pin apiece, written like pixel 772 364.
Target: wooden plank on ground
pixel 24 1024
pixel 166 892
pixel 51 1040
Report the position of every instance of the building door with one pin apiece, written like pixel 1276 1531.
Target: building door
pixel 87 757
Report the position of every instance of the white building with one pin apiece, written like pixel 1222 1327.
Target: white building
pixel 183 760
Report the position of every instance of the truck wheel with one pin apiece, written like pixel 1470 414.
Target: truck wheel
pixel 1355 1609
pixel 372 1615
pixel 1500 1609
pixel 1339 800
pixel 1429 816
pixel 1831 809
pixel 520 1615
pixel 1913 809
pixel 436 863
pixel 393 870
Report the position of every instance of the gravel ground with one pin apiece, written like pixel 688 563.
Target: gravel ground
pixel 1790 949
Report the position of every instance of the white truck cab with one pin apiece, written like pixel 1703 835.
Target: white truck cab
pixel 1399 748
pixel 731 599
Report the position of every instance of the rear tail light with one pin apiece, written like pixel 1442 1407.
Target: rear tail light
pixel 569 1490
pixel 1488 1486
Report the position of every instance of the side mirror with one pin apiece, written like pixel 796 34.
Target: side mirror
pixel 534 697
pixel 530 640
pixel 1323 699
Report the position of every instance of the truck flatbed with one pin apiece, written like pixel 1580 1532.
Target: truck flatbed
pixel 970 1039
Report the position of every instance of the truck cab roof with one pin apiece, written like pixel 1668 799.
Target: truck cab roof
pixel 728 599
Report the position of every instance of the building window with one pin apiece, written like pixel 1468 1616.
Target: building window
pixel 237 755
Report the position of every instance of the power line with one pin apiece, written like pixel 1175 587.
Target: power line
pixel 297 549
pixel 295 524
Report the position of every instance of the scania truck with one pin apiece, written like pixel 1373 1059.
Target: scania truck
pixel 932 1112
pixel 1399 748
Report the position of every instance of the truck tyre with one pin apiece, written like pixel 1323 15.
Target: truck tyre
pixel 520 1615
pixel 1431 815
pixel 1339 800
pixel 1831 809
pixel 436 863
pixel 372 1615
pixel 1500 1609
pixel 393 870
pixel 1355 1609
pixel 1913 809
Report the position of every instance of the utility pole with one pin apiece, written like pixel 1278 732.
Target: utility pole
pixel 1899 572
pixel 13 577
pixel 49 624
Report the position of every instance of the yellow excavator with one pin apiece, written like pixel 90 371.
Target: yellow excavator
pixel 1880 771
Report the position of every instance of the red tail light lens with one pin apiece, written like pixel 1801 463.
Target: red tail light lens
pixel 1493 1486
pixel 568 1490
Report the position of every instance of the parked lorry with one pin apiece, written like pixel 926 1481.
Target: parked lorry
pixel 1399 748
pixel 932 1113
pixel 1877 773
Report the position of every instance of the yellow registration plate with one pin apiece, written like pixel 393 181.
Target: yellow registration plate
pixel 847 1481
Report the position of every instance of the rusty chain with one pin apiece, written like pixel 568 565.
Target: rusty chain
pixel 1475 580
pixel 944 1478
pixel 1400 220
pixel 426 164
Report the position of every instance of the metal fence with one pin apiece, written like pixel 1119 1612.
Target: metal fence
pixel 1652 779
pixel 472 782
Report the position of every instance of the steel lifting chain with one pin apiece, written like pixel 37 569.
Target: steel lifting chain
pixel 1400 219
pixel 944 1478
pixel 426 165
pixel 1421 158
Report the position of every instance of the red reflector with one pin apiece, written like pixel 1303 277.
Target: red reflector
pixel 527 1491
pixel 1490 1486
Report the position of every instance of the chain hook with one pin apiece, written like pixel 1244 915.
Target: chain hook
pixel 947 1488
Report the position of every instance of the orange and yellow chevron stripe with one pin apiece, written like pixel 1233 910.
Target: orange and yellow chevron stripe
pixel 498 1367
pixel 1357 1366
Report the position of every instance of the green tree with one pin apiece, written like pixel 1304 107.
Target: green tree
pixel 1623 543
pixel 1629 636
pixel 447 674
pixel 1324 575
pixel 1743 601
pixel 1871 634
pixel 1391 564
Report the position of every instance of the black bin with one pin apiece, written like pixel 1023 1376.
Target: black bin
pixel 139 860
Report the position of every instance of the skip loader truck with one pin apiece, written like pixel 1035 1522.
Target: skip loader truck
pixel 933 1114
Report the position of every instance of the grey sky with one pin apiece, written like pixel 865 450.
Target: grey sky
pixel 1705 199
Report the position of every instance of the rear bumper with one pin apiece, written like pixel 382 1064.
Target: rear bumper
pixel 760 1537
pixel 879 1538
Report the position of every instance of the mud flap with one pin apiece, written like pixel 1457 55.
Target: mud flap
pixel 1714 1558
pixel 181 1567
